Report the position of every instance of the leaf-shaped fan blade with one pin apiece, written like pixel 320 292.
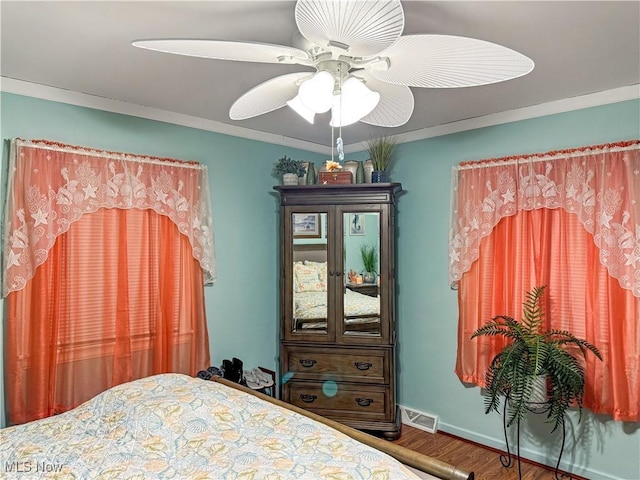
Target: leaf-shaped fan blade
pixel 395 107
pixel 364 26
pixel 225 50
pixel 443 61
pixel 267 96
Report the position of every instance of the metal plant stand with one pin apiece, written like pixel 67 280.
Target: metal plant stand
pixel 507 460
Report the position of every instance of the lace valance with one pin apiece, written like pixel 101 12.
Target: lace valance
pixel 599 184
pixel 51 185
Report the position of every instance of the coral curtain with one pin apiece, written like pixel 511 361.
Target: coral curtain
pixel 105 258
pixel 569 220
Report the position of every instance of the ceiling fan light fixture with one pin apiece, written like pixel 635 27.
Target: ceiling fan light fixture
pixel 340 116
pixel 356 101
pixel 355 88
pixel 317 93
pixel 299 107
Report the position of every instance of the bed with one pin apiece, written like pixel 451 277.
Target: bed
pixel 361 312
pixel 175 426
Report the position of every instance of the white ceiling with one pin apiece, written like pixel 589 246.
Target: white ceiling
pixel 579 48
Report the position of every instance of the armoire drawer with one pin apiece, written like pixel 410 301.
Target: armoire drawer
pixel 368 402
pixel 368 365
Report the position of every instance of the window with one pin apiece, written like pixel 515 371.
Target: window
pixel 106 256
pixel 568 220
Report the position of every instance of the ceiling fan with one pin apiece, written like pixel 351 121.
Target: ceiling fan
pixel 363 64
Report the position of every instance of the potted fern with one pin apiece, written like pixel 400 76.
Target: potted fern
pixel 370 261
pixel 382 152
pixel 537 371
pixel 534 362
pixel 289 170
pixel 531 355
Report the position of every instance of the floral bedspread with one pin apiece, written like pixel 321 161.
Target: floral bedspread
pixel 311 305
pixel 175 426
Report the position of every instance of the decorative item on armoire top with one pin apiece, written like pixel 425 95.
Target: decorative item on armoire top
pixel 350 166
pixel 290 170
pixel 382 152
pixel 311 174
pixel 535 371
pixel 333 174
pixel 331 166
pixel 360 173
pixel 368 170
pixel 378 176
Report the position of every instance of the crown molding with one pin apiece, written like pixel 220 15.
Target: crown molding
pixel 632 92
pixel 45 92
pixel 20 87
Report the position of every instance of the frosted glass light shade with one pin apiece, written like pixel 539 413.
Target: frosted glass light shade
pixel 355 102
pixel 317 93
pixel 299 107
pixel 395 106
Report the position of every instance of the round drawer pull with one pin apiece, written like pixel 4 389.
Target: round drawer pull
pixel 307 398
pixel 364 402
pixel 363 365
pixel 306 363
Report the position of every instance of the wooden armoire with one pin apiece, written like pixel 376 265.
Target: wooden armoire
pixel 337 355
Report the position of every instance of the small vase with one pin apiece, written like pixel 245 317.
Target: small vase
pixel 289 179
pixel 378 176
pixel 350 166
pixel 368 277
pixel 360 173
pixel 368 168
pixel 311 174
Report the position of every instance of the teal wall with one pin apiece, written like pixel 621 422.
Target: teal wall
pixel 427 308
pixel 245 221
pixel 353 243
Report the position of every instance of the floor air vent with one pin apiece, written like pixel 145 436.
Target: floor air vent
pixel 421 420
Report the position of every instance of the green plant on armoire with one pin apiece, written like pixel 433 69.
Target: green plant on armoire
pixel 382 153
pixel 369 255
pixel 538 371
pixel 289 170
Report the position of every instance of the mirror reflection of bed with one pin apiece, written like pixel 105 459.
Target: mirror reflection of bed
pixel 310 297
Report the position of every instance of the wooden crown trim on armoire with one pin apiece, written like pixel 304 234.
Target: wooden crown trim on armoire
pixel 337 331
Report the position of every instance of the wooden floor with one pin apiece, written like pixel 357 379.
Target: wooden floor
pixel 485 462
